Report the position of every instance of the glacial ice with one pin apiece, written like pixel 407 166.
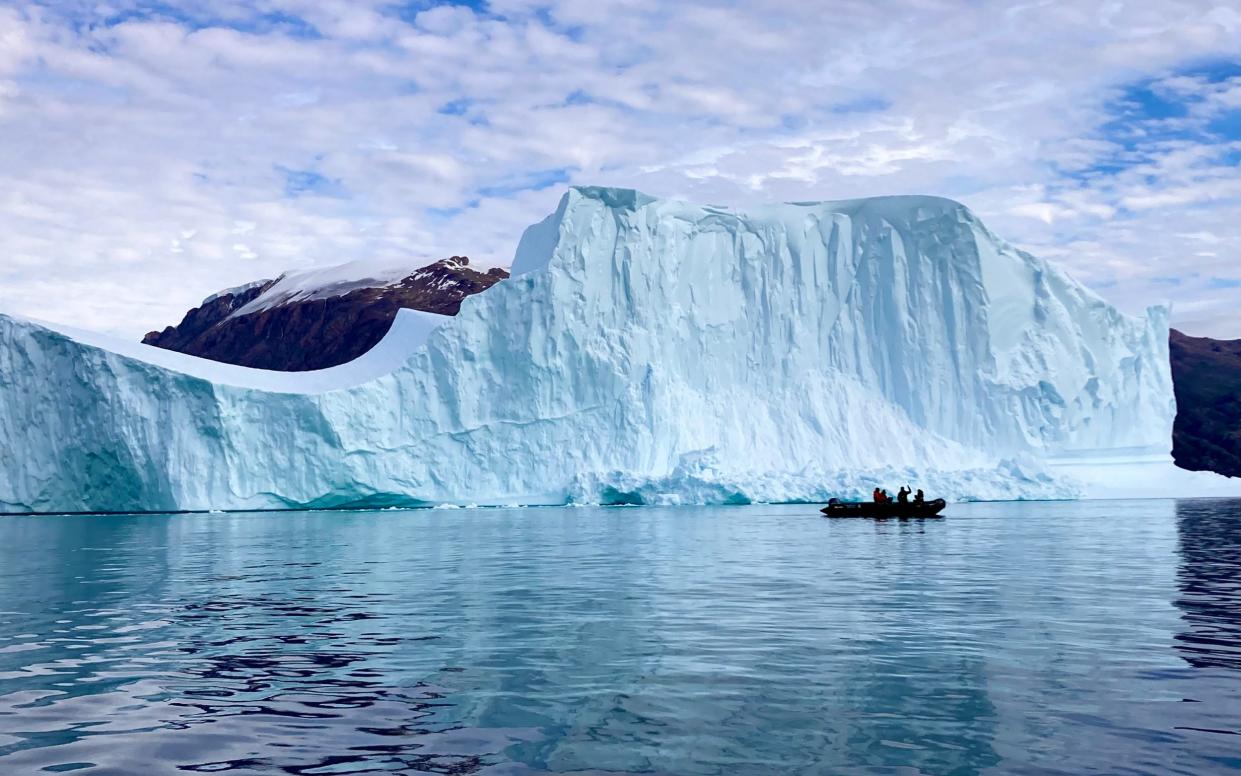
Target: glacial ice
pixel 644 351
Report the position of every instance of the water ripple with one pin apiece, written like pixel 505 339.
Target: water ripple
pixel 1007 638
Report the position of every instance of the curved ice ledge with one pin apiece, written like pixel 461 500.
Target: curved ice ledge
pixel 409 332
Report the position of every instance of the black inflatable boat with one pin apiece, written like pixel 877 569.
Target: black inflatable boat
pixel 836 508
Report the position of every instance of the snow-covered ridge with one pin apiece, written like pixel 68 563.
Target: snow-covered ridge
pixel 645 351
pixel 304 326
pixel 235 290
pixel 332 281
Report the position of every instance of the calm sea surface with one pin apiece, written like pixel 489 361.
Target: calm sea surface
pixel 1007 638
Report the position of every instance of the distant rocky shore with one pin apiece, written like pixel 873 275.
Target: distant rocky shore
pixel 1206 374
pixel 316 328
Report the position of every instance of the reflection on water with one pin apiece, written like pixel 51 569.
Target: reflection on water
pixel 1209 577
pixel 1007 638
pixel 305 674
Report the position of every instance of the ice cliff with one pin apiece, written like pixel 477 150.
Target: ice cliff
pixel 645 351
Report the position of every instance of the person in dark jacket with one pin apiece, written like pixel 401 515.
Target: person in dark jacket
pixel 902 496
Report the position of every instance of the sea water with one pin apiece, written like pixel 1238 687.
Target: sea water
pixel 1094 637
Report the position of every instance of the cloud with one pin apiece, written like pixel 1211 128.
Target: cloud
pixel 135 137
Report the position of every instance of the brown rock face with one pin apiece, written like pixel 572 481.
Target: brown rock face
pixel 297 336
pixel 1206 375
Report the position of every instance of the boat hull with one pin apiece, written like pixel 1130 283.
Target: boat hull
pixel 871 509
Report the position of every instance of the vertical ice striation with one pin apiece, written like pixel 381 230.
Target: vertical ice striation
pixel 910 297
pixel 645 350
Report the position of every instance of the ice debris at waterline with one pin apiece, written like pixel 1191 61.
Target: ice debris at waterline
pixel 645 351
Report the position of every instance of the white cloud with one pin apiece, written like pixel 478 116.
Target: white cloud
pixel 131 151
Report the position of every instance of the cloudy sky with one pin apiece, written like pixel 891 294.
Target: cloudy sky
pixel 154 152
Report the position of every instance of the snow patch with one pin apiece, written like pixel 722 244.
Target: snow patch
pixel 327 282
pixel 234 291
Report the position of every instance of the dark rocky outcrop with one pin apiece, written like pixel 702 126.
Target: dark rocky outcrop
pixel 1206 374
pixel 184 337
pixel 316 333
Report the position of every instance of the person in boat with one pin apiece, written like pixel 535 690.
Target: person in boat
pixel 919 499
pixel 881 496
pixel 902 496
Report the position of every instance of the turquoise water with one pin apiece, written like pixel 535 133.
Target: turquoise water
pixel 1006 638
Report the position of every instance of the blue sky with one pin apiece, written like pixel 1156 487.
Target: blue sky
pixel 153 152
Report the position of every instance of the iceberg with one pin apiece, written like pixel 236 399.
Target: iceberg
pixel 644 351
